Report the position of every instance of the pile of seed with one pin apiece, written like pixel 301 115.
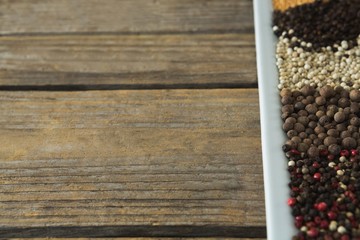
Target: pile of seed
pixel 323 23
pixel 318 57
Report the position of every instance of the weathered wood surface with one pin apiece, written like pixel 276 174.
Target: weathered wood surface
pixel 155 162
pixel 24 17
pixel 128 61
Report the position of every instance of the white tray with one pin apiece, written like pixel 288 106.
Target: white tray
pixel 278 215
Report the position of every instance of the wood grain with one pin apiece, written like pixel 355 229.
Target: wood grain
pixel 156 162
pixel 122 17
pixel 123 62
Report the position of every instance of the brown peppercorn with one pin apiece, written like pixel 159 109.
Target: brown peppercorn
pixel 320 101
pixel 288 126
pixel 285 92
pixel 309 131
pixel 299 127
pixel 313 117
pixel 312 136
pixel 303 120
pixel 355 95
pixel 302 135
pixel 310 99
pixel 352 128
pixel 302 147
pixel 327 91
pixel 299 106
pixel 334 149
pixel 307 141
pixel 296 93
pixel 291 133
pixel 345 134
pixel 329 140
pixel 343 102
pixel 322 136
pixel 355 121
pixel 344 94
pixel 302 113
pixel 333 133
pixel 324 120
pixel 341 127
pixel 355 135
pixel 354 107
pixel 296 139
pixel 312 124
pixel 291 144
pixel 313 152
pixel 330 113
pixel 287 108
pixel 319 129
pixel 307 90
pixel 349 143
pixel 287 99
pixel 311 108
pixel 290 120
pixel 319 114
pixel 339 117
pixel 317 142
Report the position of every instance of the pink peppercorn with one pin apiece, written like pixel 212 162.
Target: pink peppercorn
pixel 316 165
pixel 330 157
pixel 332 215
pixel 313 232
pixel 317 176
pixel 324 152
pixel 324 224
pixel 321 206
pixel 291 201
pixel 345 153
pixel 354 152
pixel 295 152
pixel 345 237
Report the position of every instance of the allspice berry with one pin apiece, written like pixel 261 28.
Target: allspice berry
pixel 355 95
pixel 349 143
pixel 355 121
pixel 313 152
pixel 327 91
pixel 307 90
pixel 320 100
pixel 329 141
pixel 334 149
pixel 343 102
pixel 339 117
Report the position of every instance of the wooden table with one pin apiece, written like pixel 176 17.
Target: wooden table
pixel 132 118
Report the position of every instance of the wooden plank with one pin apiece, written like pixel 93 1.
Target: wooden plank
pixel 126 16
pixel 155 162
pixel 130 61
